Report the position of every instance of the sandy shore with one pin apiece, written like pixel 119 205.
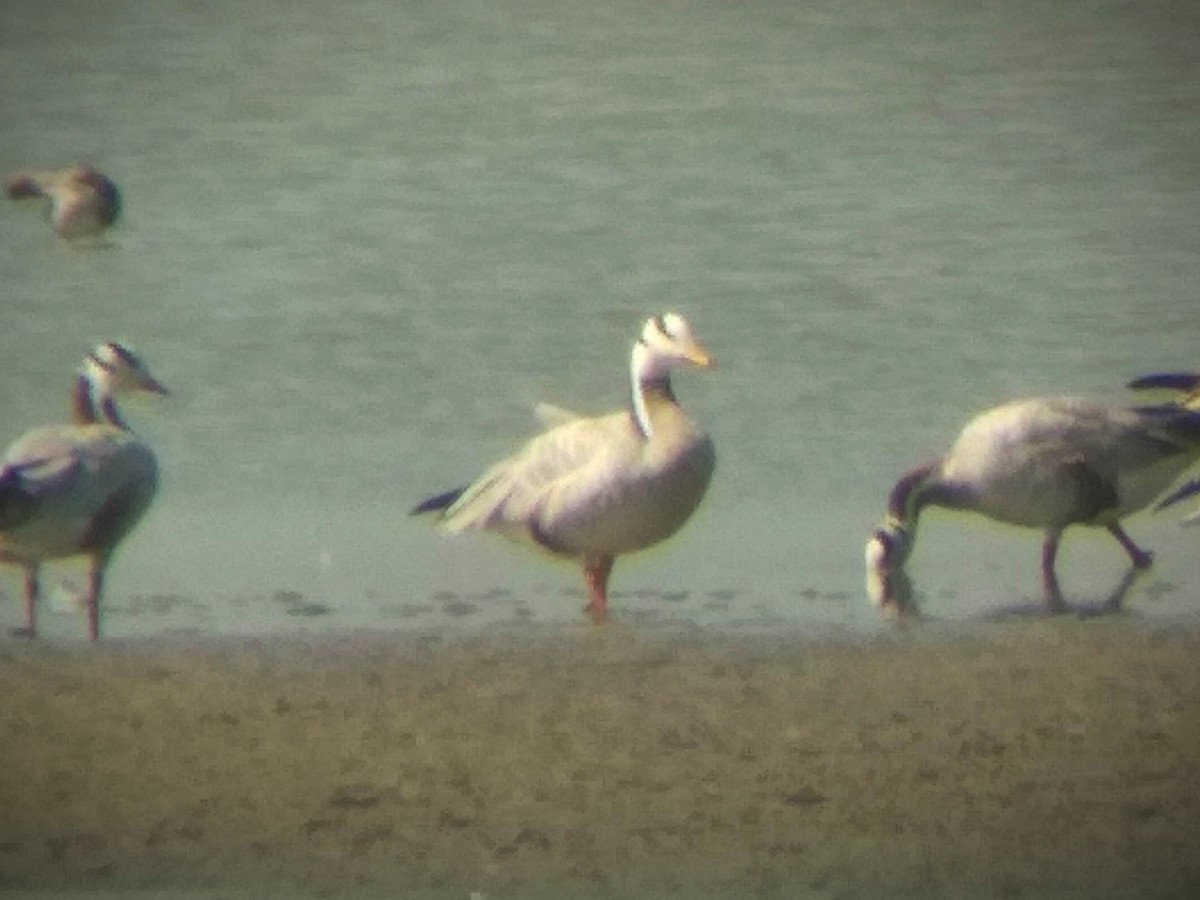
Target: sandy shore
pixel 1051 758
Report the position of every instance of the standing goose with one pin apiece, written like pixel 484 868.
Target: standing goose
pixel 78 489
pixel 1043 463
pixel 594 488
pixel 1187 386
pixel 83 202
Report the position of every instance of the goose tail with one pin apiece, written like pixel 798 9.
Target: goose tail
pixel 1186 424
pixel 1171 381
pixel 1188 489
pixel 16 501
pixel 1180 423
pixel 438 502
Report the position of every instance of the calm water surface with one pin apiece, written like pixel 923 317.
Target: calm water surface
pixel 362 240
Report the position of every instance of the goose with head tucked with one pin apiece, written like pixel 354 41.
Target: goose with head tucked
pixel 78 489
pixel 83 201
pixel 1044 463
pixel 595 488
pixel 1186 387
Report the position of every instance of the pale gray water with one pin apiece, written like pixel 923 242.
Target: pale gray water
pixel 363 238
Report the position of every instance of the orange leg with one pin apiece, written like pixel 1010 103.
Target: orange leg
pixel 1141 559
pixel 1051 594
pixel 92 604
pixel 595 574
pixel 31 599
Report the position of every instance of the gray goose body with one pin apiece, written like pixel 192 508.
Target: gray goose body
pixel 83 201
pixel 595 488
pixel 1045 463
pixel 78 489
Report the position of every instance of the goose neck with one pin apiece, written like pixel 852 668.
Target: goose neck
pixel 909 495
pixel 90 406
pixel 648 378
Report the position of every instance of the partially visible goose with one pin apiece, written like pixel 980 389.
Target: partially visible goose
pixel 1044 463
pixel 78 489
pixel 1187 386
pixel 83 202
pixel 595 488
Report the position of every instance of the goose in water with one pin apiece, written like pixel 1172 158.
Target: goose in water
pixel 1187 386
pixel 1043 463
pixel 594 488
pixel 83 202
pixel 78 489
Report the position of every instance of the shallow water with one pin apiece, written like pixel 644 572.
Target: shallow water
pixel 361 242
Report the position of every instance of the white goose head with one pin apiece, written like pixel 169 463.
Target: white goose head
pixel 888 586
pixel 889 546
pixel 110 369
pixel 666 342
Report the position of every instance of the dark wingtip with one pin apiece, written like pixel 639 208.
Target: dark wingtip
pixel 15 501
pixel 1162 410
pixel 1187 489
pixel 1174 381
pixel 437 503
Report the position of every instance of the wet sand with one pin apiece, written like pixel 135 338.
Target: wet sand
pixel 1036 758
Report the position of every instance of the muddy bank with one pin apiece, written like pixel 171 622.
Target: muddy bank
pixel 1032 758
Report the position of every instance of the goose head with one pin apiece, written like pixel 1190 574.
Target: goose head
pixel 112 368
pixel 889 546
pixel 666 343
pixel 888 586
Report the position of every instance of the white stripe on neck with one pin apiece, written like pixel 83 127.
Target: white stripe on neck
pixel 647 369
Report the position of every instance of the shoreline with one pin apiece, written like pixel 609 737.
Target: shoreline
pixel 1031 757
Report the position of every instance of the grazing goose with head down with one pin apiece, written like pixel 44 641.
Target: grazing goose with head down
pixel 1187 386
pixel 83 202
pixel 1044 463
pixel 78 489
pixel 594 488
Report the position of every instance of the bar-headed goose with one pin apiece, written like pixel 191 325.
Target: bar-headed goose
pixel 1043 463
pixel 83 202
pixel 78 489
pixel 1187 386
pixel 594 488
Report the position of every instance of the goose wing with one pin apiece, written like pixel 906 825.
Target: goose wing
pixel 1145 449
pixel 1142 436
pixel 1066 459
pixel 1170 381
pixel 568 470
pixel 1187 385
pixel 42 465
pixel 1141 449
pixel 551 416
pixel 58 480
pixel 1112 439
